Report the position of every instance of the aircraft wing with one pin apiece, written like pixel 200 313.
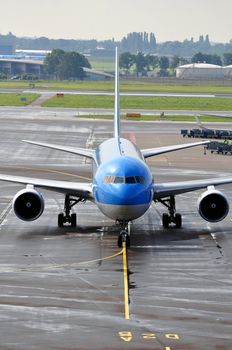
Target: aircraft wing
pixel 160 150
pixel 89 153
pixel 162 190
pixel 80 189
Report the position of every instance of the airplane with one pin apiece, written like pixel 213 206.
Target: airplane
pixel 203 127
pixel 122 187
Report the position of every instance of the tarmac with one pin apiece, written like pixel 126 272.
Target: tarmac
pixel 73 288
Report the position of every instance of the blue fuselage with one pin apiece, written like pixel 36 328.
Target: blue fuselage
pixel 122 182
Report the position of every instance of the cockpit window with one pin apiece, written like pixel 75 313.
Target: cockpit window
pixel 109 179
pixel 140 179
pixel 121 179
pixel 130 180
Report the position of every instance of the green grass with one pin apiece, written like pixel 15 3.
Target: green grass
pixel 176 118
pixel 105 64
pixel 139 102
pixel 11 99
pixel 125 85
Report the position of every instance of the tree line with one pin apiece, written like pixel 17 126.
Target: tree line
pixel 141 63
pixel 63 65
pixel 133 42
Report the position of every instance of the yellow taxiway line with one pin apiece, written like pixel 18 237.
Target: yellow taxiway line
pixel 126 287
pixel 122 252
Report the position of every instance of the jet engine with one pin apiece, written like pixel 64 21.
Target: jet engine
pixel 213 205
pixel 28 204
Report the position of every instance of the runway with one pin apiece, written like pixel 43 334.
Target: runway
pixel 64 288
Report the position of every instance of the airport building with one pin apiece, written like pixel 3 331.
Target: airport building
pixel 14 66
pixel 202 71
pixel 228 72
pixel 6 49
pixel 19 66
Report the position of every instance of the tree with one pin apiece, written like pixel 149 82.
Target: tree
pixel 164 62
pixel 53 61
pixel 215 59
pixel 66 65
pixel 164 65
pixel 205 58
pixel 140 63
pixel 126 60
pixel 227 59
pixel 139 41
pixel 198 58
pixel 152 62
pixel 175 62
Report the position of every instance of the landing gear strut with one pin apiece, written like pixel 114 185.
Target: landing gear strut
pixel 66 216
pixel 172 217
pixel 124 235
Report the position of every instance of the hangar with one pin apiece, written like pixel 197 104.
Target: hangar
pixel 200 71
pixel 228 72
pixel 17 66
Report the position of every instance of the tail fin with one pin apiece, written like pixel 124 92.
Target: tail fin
pixel 199 123
pixel 117 101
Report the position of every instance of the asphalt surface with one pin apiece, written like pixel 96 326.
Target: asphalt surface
pixel 37 112
pixel 65 288
pixel 109 93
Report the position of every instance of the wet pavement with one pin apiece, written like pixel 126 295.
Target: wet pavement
pixel 64 288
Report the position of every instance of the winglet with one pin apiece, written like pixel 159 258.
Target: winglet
pixel 117 101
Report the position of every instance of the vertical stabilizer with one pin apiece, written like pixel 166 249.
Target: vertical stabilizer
pixel 117 101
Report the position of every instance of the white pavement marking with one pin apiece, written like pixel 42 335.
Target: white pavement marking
pixel 4 214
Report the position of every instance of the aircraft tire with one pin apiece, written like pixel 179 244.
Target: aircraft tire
pixel 165 220
pixel 123 238
pixel 120 241
pixel 61 220
pixel 127 241
pixel 74 220
pixel 178 220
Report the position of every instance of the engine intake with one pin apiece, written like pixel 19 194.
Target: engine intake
pixel 213 206
pixel 28 204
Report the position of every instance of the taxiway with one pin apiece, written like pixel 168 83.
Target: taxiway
pixel 63 288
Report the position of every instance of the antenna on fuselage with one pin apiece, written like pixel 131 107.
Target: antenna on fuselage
pixel 117 101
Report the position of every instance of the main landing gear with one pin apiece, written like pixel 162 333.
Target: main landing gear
pixel 66 216
pixel 124 235
pixel 172 217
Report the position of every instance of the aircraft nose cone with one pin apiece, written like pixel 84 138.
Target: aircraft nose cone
pixel 130 194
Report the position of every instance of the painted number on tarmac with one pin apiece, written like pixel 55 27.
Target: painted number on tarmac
pixel 127 336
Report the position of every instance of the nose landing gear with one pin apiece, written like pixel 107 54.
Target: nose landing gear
pixel 124 235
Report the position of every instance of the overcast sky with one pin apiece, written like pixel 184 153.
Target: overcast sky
pixel 106 19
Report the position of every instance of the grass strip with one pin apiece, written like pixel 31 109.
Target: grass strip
pixel 125 85
pixel 12 99
pixel 140 102
pixel 176 118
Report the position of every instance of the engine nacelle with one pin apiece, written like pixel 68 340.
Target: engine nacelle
pixel 28 204
pixel 213 205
